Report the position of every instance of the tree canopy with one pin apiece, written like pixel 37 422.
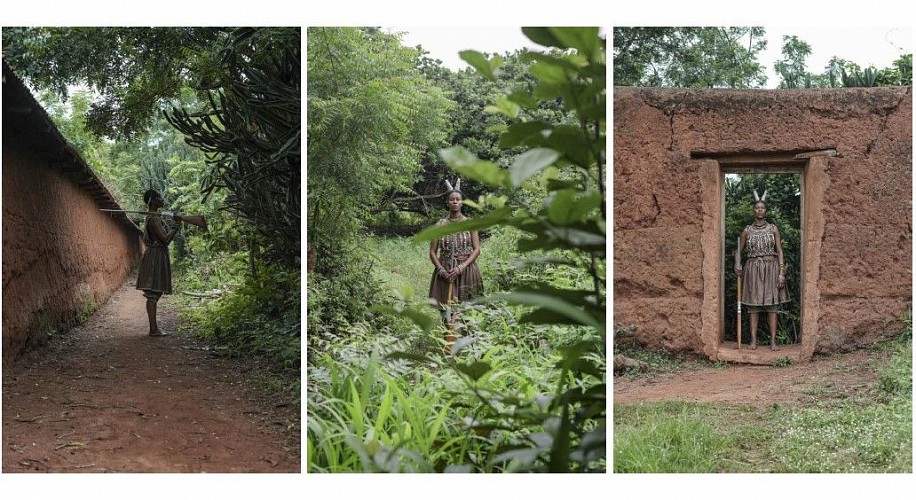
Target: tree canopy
pixel 689 57
pixel 134 70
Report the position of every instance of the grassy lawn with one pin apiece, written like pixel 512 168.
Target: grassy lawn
pixel 871 432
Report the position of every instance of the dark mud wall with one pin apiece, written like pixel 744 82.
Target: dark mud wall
pixel 61 255
pixel 665 205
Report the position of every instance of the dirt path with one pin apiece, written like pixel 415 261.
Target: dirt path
pixel 107 397
pixel 841 375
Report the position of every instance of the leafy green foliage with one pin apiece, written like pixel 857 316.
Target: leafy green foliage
pixel 380 401
pixel 135 70
pixel 371 115
pixel 251 133
pixel 258 318
pixel 689 57
pixel 483 110
pixel 792 67
pixel 575 414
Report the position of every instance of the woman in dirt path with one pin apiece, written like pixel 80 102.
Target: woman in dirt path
pixel 155 275
pixel 455 256
pixel 764 271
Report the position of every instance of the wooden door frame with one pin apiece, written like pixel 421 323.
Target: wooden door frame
pixel 811 165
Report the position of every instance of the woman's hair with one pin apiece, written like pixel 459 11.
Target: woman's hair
pixel 453 191
pixel 148 195
pixel 765 204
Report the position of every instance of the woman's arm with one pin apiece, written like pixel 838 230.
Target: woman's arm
pixel 433 251
pixel 738 267
pixel 779 256
pixel 158 229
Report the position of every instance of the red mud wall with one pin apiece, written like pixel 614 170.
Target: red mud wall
pixel 862 268
pixel 61 255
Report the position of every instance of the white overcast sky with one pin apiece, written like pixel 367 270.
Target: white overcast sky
pixel 878 46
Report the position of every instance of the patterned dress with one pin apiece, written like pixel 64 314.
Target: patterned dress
pixel 761 270
pixel 454 249
pixel 155 274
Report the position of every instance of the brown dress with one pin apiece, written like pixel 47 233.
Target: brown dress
pixel 761 271
pixel 155 274
pixel 454 249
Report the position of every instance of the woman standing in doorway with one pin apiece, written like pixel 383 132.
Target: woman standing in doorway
pixel 764 270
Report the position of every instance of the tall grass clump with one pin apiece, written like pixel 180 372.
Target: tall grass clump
pixel 366 420
pixel 667 437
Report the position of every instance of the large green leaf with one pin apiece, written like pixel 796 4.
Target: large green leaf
pixel 505 106
pixel 543 36
pixel 569 63
pixel 486 172
pixel 570 141
pixel 478 61
pixel 549 72
pixel 474 370
pixel 570 205
pixel 471 224
pixel 548 302
pixel 521 133
pixel 531 162
pixel 585 40
pixel 458 156
pixel 466 163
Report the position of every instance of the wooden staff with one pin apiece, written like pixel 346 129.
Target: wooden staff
pixel 449 322
pixel 737 263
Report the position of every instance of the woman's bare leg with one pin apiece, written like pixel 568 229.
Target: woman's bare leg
pixel 151 313
pixel 753 316
pixel 772 320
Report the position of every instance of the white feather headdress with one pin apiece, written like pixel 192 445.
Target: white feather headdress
pixel 457 187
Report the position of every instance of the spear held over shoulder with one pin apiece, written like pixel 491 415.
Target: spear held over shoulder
pixel 195 220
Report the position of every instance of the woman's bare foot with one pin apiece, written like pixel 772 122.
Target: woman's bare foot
pixel 754 346
pixel 773 347
pixel 158 333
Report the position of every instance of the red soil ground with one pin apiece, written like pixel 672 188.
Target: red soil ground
pixel 842 375
pixel 106 397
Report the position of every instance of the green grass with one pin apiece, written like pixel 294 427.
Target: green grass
pixel 367 420
pixel 402 265
pixel 670 437
pixel 868 432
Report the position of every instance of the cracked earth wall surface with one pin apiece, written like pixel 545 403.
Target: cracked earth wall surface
pixel 864 271
pixel 61 255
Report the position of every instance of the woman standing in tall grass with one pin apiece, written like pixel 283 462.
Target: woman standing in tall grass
pixel 456 276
